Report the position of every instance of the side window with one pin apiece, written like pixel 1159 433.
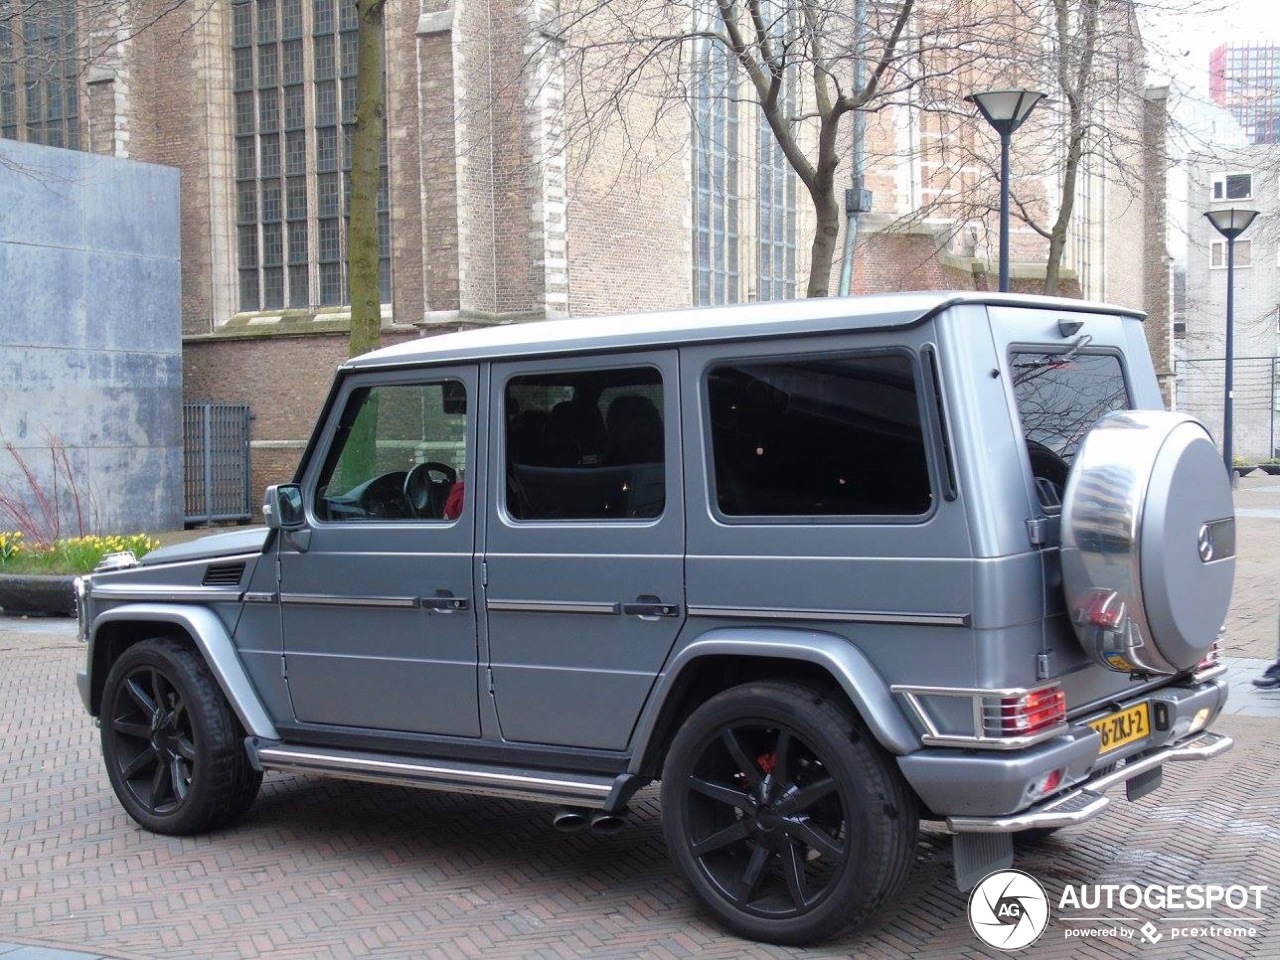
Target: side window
pixel 823 437
pixel 585 445
pixel 399 454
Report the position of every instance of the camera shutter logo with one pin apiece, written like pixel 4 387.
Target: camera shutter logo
pixel 1008 910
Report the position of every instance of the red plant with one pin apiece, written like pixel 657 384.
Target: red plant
pixel 38 511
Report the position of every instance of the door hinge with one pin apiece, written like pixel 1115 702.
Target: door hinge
pixel 1038 531
pixel 1044 665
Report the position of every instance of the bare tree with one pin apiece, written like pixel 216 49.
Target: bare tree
pixel 790 59
pixel 362 246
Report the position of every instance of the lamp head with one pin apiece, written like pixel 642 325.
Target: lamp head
pixel 1231 222
pixel 1005 109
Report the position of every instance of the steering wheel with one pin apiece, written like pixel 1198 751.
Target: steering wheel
pixel 424 493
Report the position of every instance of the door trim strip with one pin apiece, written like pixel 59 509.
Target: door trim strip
pixel 843 616
pixel 333 600
pixel 551 606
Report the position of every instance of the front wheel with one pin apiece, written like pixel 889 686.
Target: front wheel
pixel 787 820
pixel 174 750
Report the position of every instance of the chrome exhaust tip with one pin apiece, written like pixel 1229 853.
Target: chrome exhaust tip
pixel 607 824
pixel 571 819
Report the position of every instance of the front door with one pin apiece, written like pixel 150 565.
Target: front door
pixel 376 596
pixel 585 542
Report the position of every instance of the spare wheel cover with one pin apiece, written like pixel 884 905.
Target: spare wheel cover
pixel 1148 542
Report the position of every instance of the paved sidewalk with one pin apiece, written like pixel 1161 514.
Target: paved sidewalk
pixel 19 951
pixel 324 868
pixel 1253 625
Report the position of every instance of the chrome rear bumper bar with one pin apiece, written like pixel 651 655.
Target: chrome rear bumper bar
pixel 1085 803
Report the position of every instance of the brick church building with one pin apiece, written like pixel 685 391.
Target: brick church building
pixel 497 205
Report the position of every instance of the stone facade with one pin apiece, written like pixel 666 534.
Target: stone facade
pixel 90 345
pixel 502 210
pixel 1256 312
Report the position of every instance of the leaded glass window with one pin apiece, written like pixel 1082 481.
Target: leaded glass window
pixel 293 70
pixel 40 73
pixel 715 176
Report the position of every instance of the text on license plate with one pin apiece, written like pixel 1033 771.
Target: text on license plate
pixel 1125 727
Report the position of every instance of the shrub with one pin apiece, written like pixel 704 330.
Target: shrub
pixel 40 512
pixel 10 545
pixel 68 554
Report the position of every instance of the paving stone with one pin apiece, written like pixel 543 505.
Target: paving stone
pixel 326 868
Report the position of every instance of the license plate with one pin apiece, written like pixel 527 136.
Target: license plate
pixel 1127 726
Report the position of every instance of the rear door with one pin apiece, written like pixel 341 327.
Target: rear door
pixel 585 544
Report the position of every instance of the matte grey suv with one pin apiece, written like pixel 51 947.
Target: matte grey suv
pixel 823 568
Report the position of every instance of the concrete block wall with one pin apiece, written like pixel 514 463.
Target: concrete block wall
pixel 91 329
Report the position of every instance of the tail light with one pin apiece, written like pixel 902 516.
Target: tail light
pixel 1046 784
pixel 1211 659
pixel 1033 712
pixel 1211 665
pixel 1105 609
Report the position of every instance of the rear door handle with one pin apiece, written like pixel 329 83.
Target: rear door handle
pixel 445 602
pixel 650 607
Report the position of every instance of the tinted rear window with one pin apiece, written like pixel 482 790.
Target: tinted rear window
pixel 1059 400
pixel 823 437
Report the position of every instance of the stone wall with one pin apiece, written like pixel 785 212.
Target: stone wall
pixel 90 344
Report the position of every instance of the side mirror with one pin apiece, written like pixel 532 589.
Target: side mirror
pixel 282 508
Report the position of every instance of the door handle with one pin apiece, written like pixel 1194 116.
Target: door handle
pixel 650 607
pixel 445 602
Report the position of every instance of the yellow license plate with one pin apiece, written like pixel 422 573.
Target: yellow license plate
pixel 1123 728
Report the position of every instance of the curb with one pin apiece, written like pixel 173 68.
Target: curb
pixel 37 594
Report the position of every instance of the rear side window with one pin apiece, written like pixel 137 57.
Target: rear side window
pixel 586 445
pixel 822 437
pixel 1061 396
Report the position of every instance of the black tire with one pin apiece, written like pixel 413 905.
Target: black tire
pixel 796 858
pixel 174 750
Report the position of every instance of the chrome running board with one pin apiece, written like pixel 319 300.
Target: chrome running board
pixel 594 791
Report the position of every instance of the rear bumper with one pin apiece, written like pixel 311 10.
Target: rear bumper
pixel 1087 802
pixel 1001 791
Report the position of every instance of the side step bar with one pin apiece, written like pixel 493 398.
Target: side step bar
pixel 594 791
pixel 1087 802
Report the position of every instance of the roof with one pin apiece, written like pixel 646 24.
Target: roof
pixel 698 325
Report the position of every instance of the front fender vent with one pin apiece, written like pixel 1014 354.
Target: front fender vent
pixel 223 574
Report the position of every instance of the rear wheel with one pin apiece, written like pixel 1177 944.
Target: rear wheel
pixel 789 823
pixel 174 750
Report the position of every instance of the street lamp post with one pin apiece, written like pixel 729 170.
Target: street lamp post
pixel 1230 223
pixel 1005 110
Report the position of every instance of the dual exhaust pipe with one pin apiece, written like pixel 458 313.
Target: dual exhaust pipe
pixel 576 819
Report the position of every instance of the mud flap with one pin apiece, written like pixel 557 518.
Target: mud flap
pixel 977 854
pixel 1143 783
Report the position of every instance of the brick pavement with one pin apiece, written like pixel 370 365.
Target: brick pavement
pixel 331 869
pixel 1252 628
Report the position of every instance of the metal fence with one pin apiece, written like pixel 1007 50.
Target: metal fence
pixel 215 460
pixel 1255 406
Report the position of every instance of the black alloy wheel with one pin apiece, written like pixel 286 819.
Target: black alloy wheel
pixel 154 741
pixel 766 820
pixel 782 813
pixel 173 748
